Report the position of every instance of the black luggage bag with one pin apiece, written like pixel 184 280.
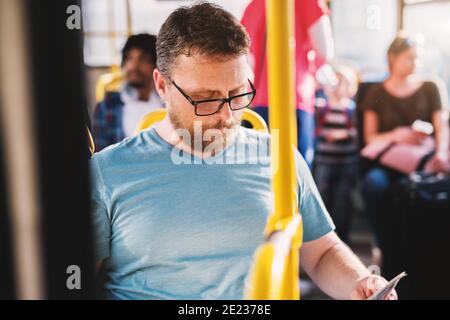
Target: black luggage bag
pixel 421 245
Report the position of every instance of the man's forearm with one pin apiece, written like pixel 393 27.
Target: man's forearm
pixel 338 270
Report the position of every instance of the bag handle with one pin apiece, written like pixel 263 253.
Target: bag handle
pixel 384 151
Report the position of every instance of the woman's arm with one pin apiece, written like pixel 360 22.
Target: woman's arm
pixel 403 134
pixel 371 129
pixel 440 124
pixel 440 161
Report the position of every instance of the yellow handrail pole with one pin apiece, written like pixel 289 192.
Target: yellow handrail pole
pixel 281 49
pixel 281 46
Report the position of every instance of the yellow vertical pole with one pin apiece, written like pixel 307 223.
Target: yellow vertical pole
pixel 281 46
pixel 275 273
pixel 281 68
pixel 129 18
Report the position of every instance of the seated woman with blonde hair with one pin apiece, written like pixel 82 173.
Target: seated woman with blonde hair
pixel 390 109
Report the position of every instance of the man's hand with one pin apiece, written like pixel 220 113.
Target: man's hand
pixel 369 285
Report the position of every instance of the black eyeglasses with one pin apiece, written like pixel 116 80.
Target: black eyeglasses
pixel 210 106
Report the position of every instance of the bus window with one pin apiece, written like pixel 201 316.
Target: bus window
pixel 428 23
pixel 356 21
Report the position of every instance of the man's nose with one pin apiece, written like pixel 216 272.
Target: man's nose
pixel 225 112
pixel 132 64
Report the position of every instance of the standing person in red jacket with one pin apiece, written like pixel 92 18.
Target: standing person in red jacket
pixel 312 35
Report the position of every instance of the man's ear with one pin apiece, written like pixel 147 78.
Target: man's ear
pixel 160 84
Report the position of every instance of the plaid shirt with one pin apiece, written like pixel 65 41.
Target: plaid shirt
pixel 107 127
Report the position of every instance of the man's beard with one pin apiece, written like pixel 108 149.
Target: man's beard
pixel 139 81
pixel 137 84
pixel 214 138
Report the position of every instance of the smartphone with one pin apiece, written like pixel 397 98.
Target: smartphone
pixel 423 127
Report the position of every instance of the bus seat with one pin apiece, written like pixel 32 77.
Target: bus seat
pixel 108 82
pixel 256 121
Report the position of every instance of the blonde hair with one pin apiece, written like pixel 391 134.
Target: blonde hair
pixel 400 44
pixel 350 75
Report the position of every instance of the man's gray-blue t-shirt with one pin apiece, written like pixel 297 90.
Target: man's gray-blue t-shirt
pixel 169 225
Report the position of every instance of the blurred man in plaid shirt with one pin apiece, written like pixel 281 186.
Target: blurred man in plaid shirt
pixel 117 116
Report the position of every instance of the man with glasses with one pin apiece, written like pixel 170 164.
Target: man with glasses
pixel 170 229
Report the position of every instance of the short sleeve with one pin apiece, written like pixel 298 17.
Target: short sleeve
pixel 434 96
pixel 254 21
pixel 316 219
pixel 99 213
pixel 309 10
pixel 369 97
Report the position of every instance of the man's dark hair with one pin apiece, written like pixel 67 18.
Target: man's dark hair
pixel 204 28
pixel 143 41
